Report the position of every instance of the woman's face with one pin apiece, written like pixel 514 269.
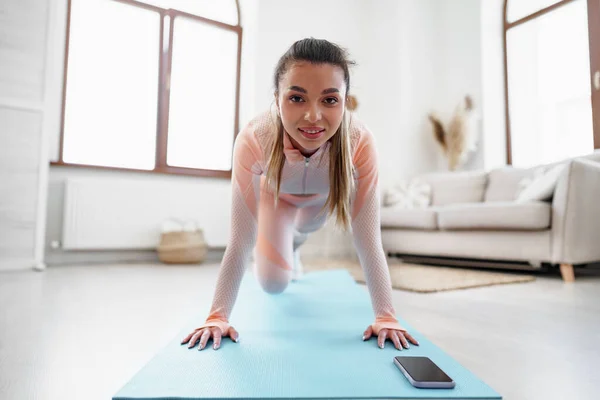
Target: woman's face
pixel 311 99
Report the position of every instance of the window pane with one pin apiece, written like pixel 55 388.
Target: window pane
pixel 549 87
pixel 217 10
pixel 518 9
pixel 202 103
pixel 112 84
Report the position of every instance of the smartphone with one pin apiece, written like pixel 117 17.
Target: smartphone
pixel 421 372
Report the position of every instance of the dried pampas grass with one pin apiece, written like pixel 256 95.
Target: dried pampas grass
pixel 352 103
pixel 459 139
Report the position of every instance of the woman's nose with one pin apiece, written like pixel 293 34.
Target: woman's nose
pixel 313 114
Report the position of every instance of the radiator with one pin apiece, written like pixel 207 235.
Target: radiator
pixel 105 214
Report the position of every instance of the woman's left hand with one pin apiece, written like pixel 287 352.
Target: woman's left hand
pixel 400 338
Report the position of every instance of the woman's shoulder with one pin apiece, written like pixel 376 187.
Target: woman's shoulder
pixel 260 128
pixel 359 132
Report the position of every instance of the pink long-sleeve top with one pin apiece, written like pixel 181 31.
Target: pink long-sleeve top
pixel 302 175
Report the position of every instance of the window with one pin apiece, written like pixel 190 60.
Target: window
pixel 549 90
pixel 152 87
pixel 202 107
pixel 518 9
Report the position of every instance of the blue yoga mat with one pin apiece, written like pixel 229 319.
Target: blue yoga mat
pixel 304 343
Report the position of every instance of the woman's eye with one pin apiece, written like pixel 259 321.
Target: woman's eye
pixel 296 99
pixel 331 100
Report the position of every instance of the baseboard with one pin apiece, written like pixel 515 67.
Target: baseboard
pixel 467 262
pixel 61 257
pixel 215 255
pixel 16 264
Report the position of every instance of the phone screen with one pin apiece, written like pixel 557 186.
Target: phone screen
pixel 422 369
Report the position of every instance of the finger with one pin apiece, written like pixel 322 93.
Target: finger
pixel 368 333
pixel 403 340
pixel 381 338
pixel 188 337
pixel 411 339
pixel 194 338
pixel 394 336
pixel 217 338
pixel 234 335
pixel 204 339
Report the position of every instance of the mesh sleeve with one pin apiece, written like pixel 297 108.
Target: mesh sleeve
pixel 246 173
pixel 366 228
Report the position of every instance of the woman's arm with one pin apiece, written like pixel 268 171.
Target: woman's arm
pixel 245 181
pixel 366 228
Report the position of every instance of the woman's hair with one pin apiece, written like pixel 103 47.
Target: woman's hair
pixel 318 51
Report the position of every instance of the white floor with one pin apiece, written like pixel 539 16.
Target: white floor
pixel 82 332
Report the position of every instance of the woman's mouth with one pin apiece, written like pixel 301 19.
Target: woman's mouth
pixel 313 132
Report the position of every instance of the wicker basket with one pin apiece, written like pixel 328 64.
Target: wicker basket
pixel 182 247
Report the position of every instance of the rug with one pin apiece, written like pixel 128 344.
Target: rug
pixel 423 278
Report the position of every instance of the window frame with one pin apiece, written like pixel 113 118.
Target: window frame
pixel 165 62
pixel 593 7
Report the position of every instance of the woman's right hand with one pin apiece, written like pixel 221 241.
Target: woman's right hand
pixel 204 334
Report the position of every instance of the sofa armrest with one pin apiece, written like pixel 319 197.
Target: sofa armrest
pixel 576 214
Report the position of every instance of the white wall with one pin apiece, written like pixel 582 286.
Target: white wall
pixel 492 78
pixel 22 167
pixel 414 56
pixel 249 11
pixel 460 52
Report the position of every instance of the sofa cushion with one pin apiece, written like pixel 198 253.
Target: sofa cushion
pixel 533 215
pixel 418 218
pixel 456 187
pixel 542 187
pixel 412 193
pixel 594 156
pixel 503 183
pixel 507 183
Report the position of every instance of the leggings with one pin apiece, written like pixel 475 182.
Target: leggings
pixel 281 231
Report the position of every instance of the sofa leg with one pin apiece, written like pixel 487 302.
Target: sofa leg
pixel 567 272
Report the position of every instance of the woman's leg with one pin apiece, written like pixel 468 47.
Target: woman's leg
pixel 273 253
pixel 308 219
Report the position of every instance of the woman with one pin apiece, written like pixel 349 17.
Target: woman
pixel 291 169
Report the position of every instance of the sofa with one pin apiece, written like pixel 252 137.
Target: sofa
pixel 526 218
